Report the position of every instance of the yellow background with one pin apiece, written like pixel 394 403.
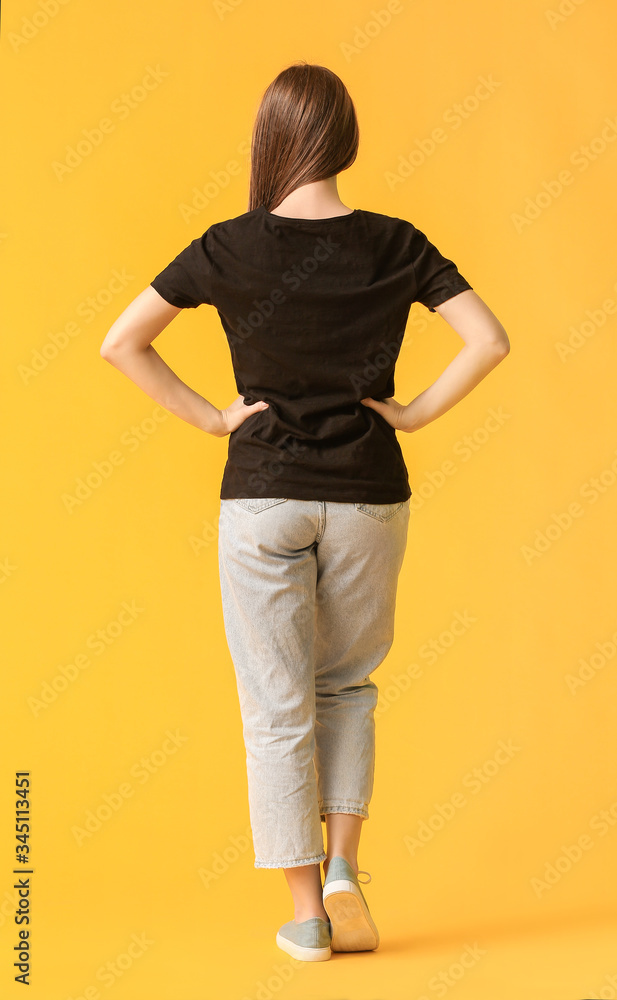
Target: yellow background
pixel 147 532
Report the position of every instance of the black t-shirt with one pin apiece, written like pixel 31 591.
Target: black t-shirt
pixel 314 311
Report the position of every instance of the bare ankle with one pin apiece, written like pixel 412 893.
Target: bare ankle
pixel 305 913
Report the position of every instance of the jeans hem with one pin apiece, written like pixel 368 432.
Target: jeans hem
pixel 343 808
pixel 292 863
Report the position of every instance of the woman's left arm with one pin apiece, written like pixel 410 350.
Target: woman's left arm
pixel 128 347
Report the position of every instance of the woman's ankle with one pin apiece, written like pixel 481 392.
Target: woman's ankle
pixel 305 913
pixel 348 858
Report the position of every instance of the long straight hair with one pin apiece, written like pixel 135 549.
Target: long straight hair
pixel 305 130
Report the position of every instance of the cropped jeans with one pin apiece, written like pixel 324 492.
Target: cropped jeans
pixel 308 592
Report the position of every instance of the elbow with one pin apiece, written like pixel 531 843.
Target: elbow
pixel 500 344
pixel 110 353
pixel 113 342
pixel 110 346
pixel 501 350
pixel 106 352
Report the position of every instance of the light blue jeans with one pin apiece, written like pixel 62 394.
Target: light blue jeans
pixel 308 592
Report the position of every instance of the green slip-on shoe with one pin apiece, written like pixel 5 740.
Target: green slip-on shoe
pixel 353 928
pixel 308 940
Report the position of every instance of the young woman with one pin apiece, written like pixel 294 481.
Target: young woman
pixel 313 297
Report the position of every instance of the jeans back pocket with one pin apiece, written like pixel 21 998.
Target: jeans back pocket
pixel 380 511
pixel 255 504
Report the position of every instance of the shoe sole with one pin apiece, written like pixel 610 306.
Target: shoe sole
pixel 302 953
pixel 352 925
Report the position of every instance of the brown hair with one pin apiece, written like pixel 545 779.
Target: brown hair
pixel 305 130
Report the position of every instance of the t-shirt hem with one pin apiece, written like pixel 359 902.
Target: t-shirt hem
pixel 397 495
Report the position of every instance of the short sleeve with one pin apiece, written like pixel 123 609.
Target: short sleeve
pixel 437 277
pixel 186 281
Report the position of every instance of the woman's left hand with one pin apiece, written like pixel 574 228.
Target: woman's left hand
pixel 235 414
